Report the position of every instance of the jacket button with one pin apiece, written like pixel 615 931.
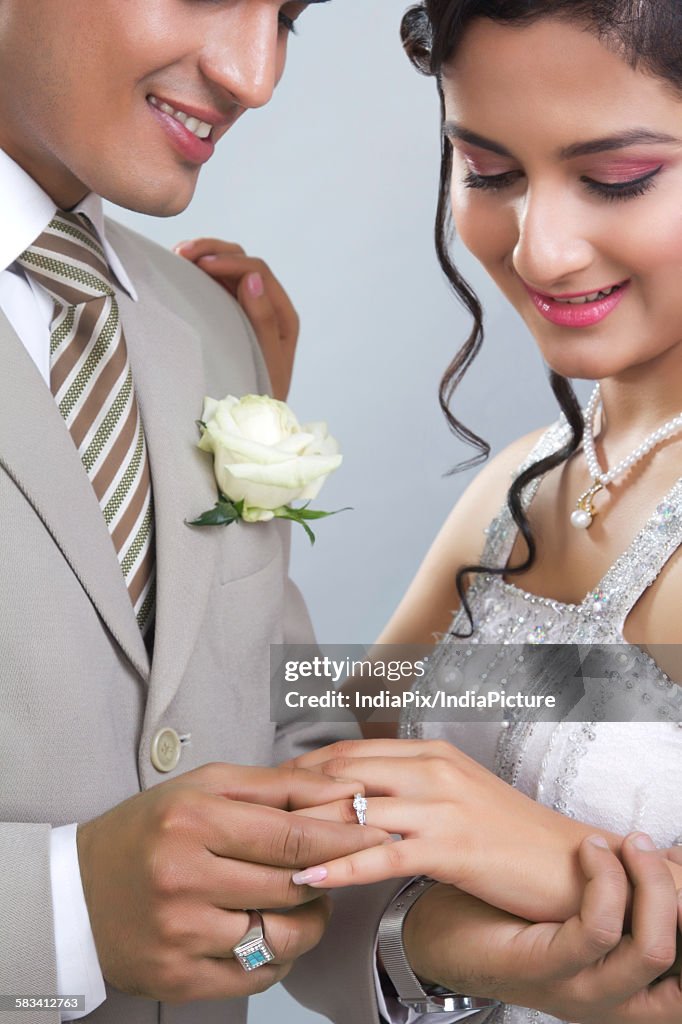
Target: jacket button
pixel 165 750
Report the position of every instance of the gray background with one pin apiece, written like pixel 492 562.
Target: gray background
pixel 334 184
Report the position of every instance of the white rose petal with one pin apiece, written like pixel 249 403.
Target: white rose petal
pixel 262 456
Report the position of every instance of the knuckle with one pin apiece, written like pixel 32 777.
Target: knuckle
pixel 337 768
pixel 294 844
pixel 395 856
pixel 603 937
pixel 660 957
pixel 441 770
pixel 440 748
pixel 343 748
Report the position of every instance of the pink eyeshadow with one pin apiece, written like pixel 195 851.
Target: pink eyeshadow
pixel 615 171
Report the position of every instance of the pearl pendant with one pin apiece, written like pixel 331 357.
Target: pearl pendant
pixel 581 519
pixel 584 513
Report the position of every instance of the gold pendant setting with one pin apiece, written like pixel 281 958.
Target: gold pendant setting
pixel 584 513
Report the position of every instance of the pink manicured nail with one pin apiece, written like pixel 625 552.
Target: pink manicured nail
pixel 310 876
pixel 598 841
pixel 254 285
pixel 643 842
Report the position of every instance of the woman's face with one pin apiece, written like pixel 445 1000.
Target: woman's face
pixel 567 183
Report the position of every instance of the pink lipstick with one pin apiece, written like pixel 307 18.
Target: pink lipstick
pixel 581 309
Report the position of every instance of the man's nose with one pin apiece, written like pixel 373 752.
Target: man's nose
pixel 246 56
pixel 553 246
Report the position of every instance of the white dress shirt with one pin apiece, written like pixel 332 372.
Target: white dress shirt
pixel 25 212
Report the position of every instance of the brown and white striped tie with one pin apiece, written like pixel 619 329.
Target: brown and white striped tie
pixel 91 380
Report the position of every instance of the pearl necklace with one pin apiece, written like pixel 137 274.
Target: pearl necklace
pixel 584 511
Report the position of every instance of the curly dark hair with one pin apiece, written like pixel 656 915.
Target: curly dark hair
pixel 648 35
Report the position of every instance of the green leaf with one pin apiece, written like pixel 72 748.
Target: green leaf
pixel 300 515
pixel 223 513
pixel 305 513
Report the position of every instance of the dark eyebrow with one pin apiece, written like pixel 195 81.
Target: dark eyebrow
pixel 629 138
pixel 452 130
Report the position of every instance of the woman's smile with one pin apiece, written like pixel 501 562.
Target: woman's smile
pixel 567 186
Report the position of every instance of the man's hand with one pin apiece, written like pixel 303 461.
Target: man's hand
pixel 267 305
pixel 168 874
pixel 584 970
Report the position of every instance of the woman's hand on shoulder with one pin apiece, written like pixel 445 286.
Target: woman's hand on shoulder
pixel 265 302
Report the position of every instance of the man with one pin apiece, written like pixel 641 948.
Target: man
pixel 129 663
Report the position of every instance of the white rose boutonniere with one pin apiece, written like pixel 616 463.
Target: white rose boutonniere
pixel 264 460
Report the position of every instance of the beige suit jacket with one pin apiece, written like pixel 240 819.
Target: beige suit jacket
pixel 79 701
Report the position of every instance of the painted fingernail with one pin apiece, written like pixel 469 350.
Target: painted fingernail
pixel 254 285
pixel 598 841
pixel 309 876
pixel 643 842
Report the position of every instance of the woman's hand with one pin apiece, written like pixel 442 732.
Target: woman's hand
pixel 251 282
pixel 460 825
pixel 584 970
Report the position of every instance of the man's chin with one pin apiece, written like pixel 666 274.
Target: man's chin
pixel 151 198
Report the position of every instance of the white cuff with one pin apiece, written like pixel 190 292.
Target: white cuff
pixel 78 970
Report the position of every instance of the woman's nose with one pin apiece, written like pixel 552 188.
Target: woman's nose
pixel 553 248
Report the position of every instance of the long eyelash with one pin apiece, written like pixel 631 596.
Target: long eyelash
pixel 288 23
pixel 490 181
pixel 623 189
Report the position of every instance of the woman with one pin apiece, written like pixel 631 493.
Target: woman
pixel 562 164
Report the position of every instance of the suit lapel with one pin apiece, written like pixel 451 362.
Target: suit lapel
pixel 168 371
pixel 39 455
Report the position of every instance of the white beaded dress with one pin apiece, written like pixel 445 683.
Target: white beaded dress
pixel 620 775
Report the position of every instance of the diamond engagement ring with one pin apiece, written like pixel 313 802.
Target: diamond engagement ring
pixel 360 808
pixel 252 950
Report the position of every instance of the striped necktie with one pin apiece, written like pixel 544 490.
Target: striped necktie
pixel 91 380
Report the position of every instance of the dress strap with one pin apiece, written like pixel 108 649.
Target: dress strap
pixel 502 531
pixel 643 561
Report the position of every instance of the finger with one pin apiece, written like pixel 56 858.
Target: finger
pixel 404 817
pixel 390 860
pixel 289 934
pixel 345 749
pixel 265 835
pixel 655 904
pixel 598 927
pixel 286 788
pixel 256 303
pixel 650 950
pixel 232 267
pixel 673 853
pixel 217 974
pixel 195 248
pixel 398 777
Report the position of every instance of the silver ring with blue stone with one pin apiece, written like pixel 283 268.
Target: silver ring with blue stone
pixel 252 951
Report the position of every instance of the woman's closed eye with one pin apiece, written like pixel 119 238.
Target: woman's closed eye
pixel 610 190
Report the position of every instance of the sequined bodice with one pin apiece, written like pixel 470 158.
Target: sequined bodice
pixel 619 775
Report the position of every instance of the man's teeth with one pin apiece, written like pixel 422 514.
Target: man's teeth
pixel 594 297
pixel 201 129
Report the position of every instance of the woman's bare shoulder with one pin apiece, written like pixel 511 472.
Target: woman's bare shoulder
pixel 431 599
